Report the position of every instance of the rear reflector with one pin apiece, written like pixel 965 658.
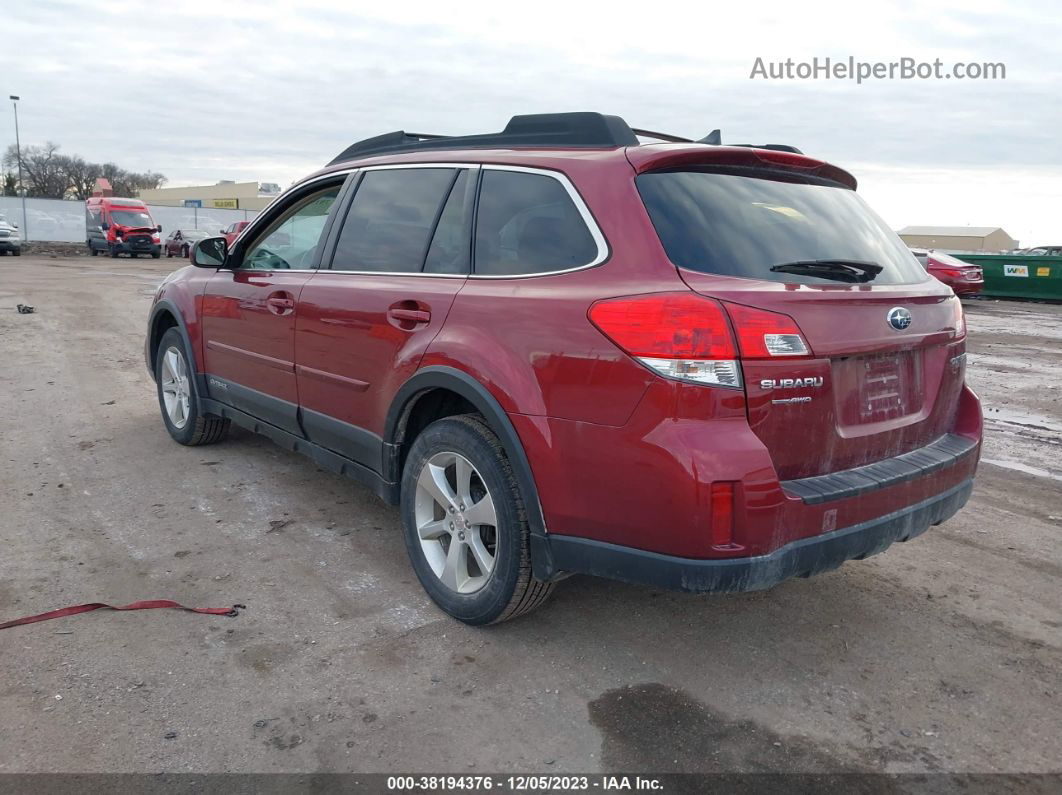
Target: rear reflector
pixel 765 335
pixel 722 529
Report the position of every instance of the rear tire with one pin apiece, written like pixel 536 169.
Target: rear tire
pixel 483 515
pixel 178 398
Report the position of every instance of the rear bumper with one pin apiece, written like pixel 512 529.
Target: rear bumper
pixel 801 558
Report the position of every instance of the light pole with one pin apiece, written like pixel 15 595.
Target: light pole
pixel 18 157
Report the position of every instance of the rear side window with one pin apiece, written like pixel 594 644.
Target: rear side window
pixel 526 224
pixel 391 220
pixel 738 224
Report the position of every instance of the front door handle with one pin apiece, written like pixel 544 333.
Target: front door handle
pixel 281 303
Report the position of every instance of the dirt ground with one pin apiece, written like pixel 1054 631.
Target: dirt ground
pixel 941 654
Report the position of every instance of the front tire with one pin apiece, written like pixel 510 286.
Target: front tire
pixel 178 398
pixel 16 253
pixel 465 524
pixel 114 252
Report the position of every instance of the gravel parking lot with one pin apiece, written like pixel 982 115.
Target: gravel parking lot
pixel 941 654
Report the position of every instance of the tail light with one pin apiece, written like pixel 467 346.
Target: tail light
pixel 958 319
pixel 766 335
pixel 689 337
pixel 678 335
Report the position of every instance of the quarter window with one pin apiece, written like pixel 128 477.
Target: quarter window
pixel 391 220
pixel 291 241
pixel 526 224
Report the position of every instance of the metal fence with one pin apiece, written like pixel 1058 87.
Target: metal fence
pixel 60 221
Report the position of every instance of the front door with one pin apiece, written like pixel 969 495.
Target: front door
pixel 249 312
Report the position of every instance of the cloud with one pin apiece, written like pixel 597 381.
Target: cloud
pixel 203 91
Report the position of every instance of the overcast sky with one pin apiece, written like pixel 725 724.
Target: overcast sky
pixel 203 91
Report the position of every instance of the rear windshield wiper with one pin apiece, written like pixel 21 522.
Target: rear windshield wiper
pixel 842 270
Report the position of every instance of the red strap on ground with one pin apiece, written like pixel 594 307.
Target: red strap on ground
pixel 148 604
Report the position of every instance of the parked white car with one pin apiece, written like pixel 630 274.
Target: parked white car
pixel 9 237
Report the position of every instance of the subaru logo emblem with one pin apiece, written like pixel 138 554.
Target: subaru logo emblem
pixel 899 318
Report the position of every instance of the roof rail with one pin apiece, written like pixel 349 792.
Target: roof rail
pixel 581 129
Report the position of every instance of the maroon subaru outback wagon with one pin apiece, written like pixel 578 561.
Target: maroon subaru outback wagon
pixel 560 350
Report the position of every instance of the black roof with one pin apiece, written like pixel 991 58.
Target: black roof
pixel 562 130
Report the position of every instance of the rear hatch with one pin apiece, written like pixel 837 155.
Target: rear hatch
pixel 883 365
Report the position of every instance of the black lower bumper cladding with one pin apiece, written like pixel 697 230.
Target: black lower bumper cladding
pixel 801 558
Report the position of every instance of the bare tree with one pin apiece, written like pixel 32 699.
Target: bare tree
pixel 42 173
pixel 81 176
pixel 50 175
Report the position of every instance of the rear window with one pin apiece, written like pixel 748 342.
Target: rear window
pixel 739 223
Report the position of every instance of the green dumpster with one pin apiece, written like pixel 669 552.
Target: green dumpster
pixel 1018 276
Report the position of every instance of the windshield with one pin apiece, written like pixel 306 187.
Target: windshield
pixel 130 218
pixel 744 222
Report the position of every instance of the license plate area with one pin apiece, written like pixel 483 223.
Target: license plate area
pixel 878 388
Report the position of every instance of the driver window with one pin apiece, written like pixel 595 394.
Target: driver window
pixel 291 241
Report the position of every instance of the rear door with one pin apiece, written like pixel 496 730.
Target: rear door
pixel 249 310
pixel 401 254
pixel 885 366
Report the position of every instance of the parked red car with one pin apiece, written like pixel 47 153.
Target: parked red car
pixel 179 242
pixel 962 277
pixel 232 231
pixel 702 367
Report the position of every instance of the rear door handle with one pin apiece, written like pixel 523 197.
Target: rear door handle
pixel 281 303
pixel 409 315
pixel 414 315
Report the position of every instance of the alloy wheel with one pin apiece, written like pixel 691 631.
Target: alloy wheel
pixel 456 522
pixel 176 390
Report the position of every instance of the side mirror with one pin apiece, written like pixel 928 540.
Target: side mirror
pixel 209 252
pixel 105 226
pixel 158 228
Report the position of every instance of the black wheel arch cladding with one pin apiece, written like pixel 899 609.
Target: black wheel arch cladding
pixel 463 384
